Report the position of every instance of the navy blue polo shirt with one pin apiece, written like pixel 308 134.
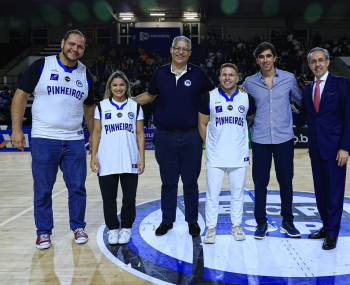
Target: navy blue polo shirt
pixel 177 106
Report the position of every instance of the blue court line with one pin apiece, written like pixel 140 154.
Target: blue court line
pixel 269 220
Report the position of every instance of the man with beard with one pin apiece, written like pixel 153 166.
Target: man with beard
pixel 223 127
pixel 63 92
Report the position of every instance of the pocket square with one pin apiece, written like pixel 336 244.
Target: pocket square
pixel 330 94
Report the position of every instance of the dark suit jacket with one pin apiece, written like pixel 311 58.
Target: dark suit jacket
pixel 329 129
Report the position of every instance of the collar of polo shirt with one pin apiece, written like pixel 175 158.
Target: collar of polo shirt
pixel 277 73
pixel 177 76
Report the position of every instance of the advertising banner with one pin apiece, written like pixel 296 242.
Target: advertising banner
pixel 154 39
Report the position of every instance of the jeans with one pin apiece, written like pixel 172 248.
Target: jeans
pixel 47 156
pixel 179 154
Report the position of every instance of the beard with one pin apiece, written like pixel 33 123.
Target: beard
pixel 67 58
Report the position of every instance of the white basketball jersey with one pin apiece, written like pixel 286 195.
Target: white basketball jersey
pixel 227 143
pixel 58 106
pixel 118 151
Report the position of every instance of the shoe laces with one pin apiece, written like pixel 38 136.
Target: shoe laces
pixel 124 233
pixel 44 238
pixel 113 233
pixel 80 232
pixel 210 232
pixel 238 229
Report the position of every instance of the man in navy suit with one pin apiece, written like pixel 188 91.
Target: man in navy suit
pixel 326 107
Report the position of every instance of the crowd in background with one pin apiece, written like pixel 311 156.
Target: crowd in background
pixel 139 64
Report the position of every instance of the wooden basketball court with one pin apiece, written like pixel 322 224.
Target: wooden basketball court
pixel 66 262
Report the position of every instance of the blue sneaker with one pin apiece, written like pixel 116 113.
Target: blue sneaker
pixel 260 232
pixel 289 229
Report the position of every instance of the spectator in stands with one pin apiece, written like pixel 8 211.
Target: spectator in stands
pixel 102 89
pixel 112 53
pixel 213 44
pixel 240 45
pixel 144 57
pixel 108 72
pixel 187 32
pixel 101 58
pixel 150 62
pixel 129 64
pixel 141 72
pixel 304 63
pixel 148 73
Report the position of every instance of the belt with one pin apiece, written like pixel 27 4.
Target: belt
pixel 179 131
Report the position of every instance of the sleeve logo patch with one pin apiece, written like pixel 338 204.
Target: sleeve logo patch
pixel 188 83
pixel 54 77
pixel 218 109
pixel 241 109
pixel 131 115
pixel 246 159
pixel 108 116
pixel 79 83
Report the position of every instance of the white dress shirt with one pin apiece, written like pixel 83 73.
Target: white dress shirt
pixel 322 84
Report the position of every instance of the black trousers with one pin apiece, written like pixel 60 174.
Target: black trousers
pixel 283 155
pixel 109 190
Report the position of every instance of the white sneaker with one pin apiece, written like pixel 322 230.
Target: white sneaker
pixel 210 235
pixel 113 237
pixel 124 236
pixel 238 232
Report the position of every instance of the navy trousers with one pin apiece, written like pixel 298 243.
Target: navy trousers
pixel 283 155
pixel 178 154
pixel 329 183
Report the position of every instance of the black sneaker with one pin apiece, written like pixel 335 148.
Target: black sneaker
pixel 194 229
pixel 163 229
pixel 260 231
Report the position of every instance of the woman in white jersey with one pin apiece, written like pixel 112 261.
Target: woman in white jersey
pixel 118 152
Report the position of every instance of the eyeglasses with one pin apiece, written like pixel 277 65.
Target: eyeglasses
pixel 185 50
pixel 321 60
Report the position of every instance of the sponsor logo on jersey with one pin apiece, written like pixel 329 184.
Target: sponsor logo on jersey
pixel 54 77
pixel 80 132
pixel 134 165
pixel 67 78
pixel 188 83
pixel 119 115
pixel 241 109
pixel 229 107
pixel 108 116
pixel 54 70
pixel 217 102
pixel 246 159
pixel 218 109
pixel 131 115
pixel 79 83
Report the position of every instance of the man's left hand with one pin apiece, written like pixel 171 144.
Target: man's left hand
pixel 342 157
pixel 241 88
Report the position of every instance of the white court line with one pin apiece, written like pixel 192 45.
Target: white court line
pixel 32 207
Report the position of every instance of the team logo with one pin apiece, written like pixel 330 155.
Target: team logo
pixel 131 115
pixel 54 77
pixel 67 78
pixel 119 115
pixel 188 83
pixel 108 116
pixel 246 159
pixel 229 107
pixel 79 83
pixel 80 132
pixel 134 165
pixel 144 36
pixel 277 258
pixel 218 109
pixel 241 109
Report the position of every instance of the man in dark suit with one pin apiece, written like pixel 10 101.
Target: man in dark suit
pixel 326 107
